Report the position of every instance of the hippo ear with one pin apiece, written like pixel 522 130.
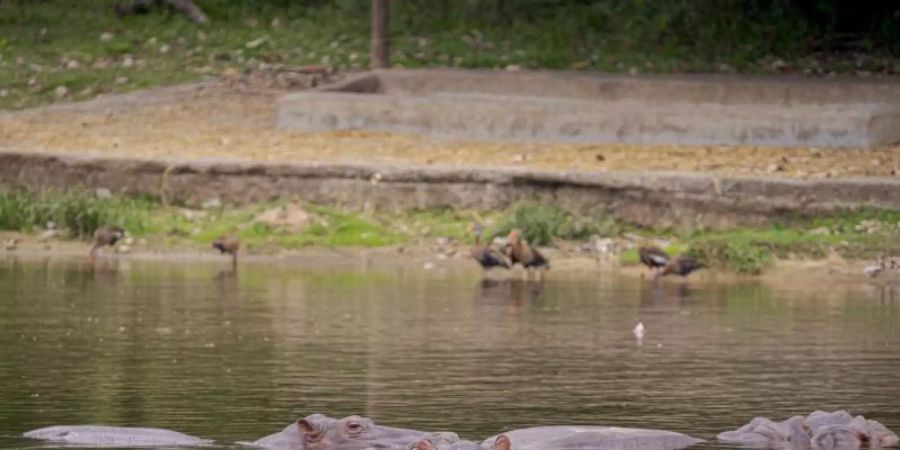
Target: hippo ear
pixel 424 444
pixel 309 428
pixel 501 443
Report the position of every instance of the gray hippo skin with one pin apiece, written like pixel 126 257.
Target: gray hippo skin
pixel 592 438
pixel 104 436
pixel 450 441
pixel 319 432
pixel 291 437
pixel 820 431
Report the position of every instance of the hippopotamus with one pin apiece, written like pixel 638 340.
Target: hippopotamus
pixel 819 430
pixel 451 441
pixel 291 437
pixel 320 432
pixel 106 436
pixel 589 438
pixel 762 432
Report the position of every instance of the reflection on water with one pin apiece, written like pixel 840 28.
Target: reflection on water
pixel 200 348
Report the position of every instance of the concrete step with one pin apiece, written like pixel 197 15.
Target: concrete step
pixel 581 108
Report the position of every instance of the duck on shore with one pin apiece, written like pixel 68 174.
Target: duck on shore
pixel 106 235
pixel 681 265
pixel 228 244
pixel 653 257
pixel 486 255
pixel 522 253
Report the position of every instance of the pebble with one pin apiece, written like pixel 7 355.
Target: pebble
pixel 106 36
pixel 123 249
pixel 49 234
pixel 61 91
pixel 212 203
pixel 428 266
pixel 604 245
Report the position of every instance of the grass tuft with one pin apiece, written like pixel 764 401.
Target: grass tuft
pixel 541 224
pixel 77 211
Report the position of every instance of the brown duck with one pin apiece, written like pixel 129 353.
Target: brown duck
pixel 106 235
pixel 228 244
pixel 489 257
pixel 520 252
pixel 682 265
pixel 653 257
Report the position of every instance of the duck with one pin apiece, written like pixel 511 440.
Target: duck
pixel 522 253
pixel 653 257
pixel 488 257
pixel 106 235
pixel 228 244
pixel 873 270
pixel 681 265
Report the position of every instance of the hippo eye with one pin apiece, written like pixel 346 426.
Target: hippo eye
pixel 355 428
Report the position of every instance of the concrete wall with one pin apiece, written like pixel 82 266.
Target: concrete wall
pixel 660 199
pixel 557 106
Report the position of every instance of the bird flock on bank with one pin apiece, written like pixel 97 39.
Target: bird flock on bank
pixel 108 236
pixel 515 250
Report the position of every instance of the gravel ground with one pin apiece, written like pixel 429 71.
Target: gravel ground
pixel 235 119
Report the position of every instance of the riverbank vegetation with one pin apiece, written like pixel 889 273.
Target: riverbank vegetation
pixel 55 50
pixel 268 227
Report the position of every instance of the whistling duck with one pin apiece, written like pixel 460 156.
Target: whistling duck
pixel 520 252
pixel 682 265
pixel 106 235
pixel 489 257
pixel 653 257
pixel 228 244
pixel 880 265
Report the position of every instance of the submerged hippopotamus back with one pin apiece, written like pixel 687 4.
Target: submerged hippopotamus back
pixel 592 438
pixel 820 430
pixel 319 432
pixel 106 436
pixel 450 441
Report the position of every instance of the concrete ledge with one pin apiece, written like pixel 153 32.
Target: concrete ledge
pixel 660 199
pixel 575 107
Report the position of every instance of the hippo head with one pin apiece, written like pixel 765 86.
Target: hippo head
pixel 352 433
pixel 501 443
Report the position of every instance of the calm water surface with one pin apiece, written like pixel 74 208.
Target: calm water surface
pixel 193 347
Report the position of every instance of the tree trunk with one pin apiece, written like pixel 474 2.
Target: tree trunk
pixel 380 40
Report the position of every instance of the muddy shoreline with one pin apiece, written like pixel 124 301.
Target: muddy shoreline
pixel 832 270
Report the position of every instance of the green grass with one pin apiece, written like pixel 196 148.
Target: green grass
pixel 540 224
pixel 49 45
pixel 78 212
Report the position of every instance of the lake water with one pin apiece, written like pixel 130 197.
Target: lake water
pixel 194 347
